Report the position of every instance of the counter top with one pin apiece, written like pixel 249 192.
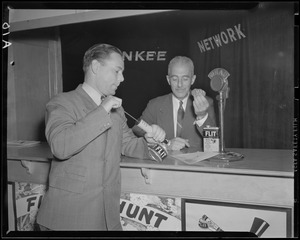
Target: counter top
pixel 40 152
pixel 266 162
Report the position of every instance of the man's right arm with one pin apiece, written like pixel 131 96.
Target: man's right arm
pixel 66 133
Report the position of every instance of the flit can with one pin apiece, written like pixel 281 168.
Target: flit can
pixel 211 139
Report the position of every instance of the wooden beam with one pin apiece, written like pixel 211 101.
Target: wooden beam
pixel 76 18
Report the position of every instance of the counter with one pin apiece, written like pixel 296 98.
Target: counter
pixel 263 179
pixel 260 162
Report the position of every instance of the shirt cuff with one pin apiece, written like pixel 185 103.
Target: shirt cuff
pixel 201 121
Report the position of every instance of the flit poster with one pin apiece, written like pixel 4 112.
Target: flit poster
pixel 28 199
pixel 139 212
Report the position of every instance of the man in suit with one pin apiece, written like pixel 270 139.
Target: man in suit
pixel 87 131
pixel 183 127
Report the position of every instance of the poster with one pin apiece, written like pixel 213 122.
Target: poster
pixel 28 200
pixel 10 207
pixel 141 212
pixel 264 221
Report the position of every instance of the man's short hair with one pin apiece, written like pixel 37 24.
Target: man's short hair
pixel 100 52
pixel 182 60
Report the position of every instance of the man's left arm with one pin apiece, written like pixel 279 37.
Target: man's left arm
pixel 204 110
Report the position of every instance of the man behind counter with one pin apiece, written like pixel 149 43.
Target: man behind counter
pixel 183 125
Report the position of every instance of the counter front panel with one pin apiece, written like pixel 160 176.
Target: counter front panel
pixel 166 195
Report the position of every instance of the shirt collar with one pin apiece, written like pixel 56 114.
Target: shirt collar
pixel 96 96
pixel 176 101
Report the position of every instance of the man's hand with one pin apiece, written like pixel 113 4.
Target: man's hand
pixel 111 102
pixel 178 143
pixel 156 135
pixel 200 103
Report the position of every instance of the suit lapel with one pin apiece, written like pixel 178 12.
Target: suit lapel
pixel 88 101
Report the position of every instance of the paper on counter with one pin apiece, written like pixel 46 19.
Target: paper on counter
pixel 191 158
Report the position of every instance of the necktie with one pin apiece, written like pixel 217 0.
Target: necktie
pixel 180 116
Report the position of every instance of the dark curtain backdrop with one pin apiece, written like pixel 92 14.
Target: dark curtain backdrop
pixel 144 80
pixel 259 110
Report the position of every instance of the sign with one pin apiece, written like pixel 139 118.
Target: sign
pixel 145 56
pixel 264 221
pixel 141 212
pixel 224 37
pixel 28 200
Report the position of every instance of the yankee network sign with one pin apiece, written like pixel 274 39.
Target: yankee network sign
pixel 224 37
pixel 145 56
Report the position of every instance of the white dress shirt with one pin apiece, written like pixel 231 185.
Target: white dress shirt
pixel 176 104
pixel 96 96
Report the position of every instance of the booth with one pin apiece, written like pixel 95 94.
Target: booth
pixel 254 43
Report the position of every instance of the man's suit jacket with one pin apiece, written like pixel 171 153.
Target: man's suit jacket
pixel 160 111
pixel 84 180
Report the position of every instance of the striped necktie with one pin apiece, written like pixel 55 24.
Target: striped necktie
pixel 180 116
